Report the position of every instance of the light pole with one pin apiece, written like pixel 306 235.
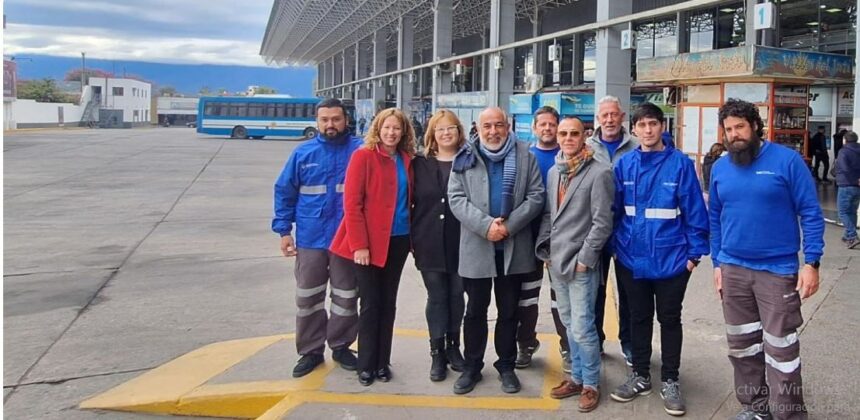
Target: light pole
pixel 83 70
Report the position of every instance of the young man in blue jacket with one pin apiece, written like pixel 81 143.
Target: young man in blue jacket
pixel 309 193
pixel 661 232
pixel 756 198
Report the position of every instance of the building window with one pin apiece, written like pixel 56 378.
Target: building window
pixel 818 25
pixel 133 91
pixel 657 38
pixel 589 60
pixel 117 91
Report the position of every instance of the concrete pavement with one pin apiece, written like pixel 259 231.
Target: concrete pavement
pixel 139 265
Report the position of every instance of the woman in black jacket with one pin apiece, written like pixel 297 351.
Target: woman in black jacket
pixel 436 241
pixel 717 150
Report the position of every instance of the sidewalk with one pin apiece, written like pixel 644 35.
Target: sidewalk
pixel 251 378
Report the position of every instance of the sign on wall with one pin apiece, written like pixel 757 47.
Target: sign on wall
pixel 10 79
pixel 845 102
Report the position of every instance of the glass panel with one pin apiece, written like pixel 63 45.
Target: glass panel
pixel 589 62
pixel 799 21
pixel 750 92
pixel 702 31
pixel 703 93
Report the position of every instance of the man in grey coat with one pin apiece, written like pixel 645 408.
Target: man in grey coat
pixel 495 190
pixel 577 222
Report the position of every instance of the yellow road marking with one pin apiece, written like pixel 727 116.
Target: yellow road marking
pixel 179 386
pixel 160 388
pixel 610 314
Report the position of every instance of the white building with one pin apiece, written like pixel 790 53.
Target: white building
pixel 122 101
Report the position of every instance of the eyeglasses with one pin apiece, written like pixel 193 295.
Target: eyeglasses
pixel 449 129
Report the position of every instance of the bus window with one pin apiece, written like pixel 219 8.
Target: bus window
pixel 238 110
pixel 270 110
pixel 223 109
pixel 310 110
pixel 255 110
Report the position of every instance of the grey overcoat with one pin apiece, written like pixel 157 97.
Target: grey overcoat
pixel 469 198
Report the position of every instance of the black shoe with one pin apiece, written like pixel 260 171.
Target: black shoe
pixel 452 353
pixel 345 358
pixel 384 374
pixel 510 382
pixel 439 364
pixel 306 364
pixel 466 382
pixel 366 377
pixel 524 356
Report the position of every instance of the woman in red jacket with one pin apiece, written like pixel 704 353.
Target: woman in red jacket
pixel 374 234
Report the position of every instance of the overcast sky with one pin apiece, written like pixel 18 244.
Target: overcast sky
pixel 166 31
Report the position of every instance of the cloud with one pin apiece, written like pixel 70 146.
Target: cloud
pixel 114 44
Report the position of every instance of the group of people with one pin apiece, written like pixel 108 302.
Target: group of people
pixel 486 215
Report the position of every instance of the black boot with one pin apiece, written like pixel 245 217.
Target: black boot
pixel 452 350
pixel 439 365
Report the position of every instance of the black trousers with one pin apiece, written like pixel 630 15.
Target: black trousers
pixel 641 297
pixel 600 304
pixel 475 330
pixel 819 159
pixel 445 303
pixel 377 298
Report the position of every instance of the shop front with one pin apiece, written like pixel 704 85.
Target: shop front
pixel 778 81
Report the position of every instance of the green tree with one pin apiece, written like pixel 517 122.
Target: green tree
pixel 205 91
pixel 167 91
pixel 74 75
pixel 44 90
pixel 223 92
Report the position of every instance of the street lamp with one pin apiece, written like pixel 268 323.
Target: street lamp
pixel 83 70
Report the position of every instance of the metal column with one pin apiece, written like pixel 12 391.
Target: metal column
pixel 502 24
pixel 405 47
pixel 614 79
pixel 443 28
pixel 378 92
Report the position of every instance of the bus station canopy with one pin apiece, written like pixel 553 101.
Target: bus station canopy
pixel 306 32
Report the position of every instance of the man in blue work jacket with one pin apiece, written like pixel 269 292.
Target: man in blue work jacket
pixel 661 232
pixel 309 193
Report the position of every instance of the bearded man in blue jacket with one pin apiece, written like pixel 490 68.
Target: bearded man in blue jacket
pixel 760 200
pixel 661 232
pixel 309 194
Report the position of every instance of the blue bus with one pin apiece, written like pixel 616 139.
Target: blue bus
pixel 242 117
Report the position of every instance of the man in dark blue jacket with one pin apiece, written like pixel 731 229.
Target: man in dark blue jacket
pixel 309 193
pixel 848 180
pixel 661 232
pixel 756 198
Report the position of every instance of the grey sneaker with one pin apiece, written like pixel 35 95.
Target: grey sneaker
pixel 565 361
pixel 673 403
pixel 747 414
pixel 635 385
pixel 524 356
pixel 852 243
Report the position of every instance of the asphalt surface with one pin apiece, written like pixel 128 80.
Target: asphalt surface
pixel 125 249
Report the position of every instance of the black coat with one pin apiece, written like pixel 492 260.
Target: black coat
pixel 435 231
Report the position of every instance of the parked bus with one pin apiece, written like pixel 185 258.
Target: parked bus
pixel 242 117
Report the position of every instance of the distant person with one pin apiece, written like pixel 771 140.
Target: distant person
pixel 545 149
pixel 473 131
pixel 610 142
pixel 495 191
pixel 361 124
pixel 419 132
pixel 576 223
pixel 761 199
pixel 374 234
pixel 848 180
pixel 436 242
pixel 837 142
pixel 717 150
pixel 309 194
pixel 818 150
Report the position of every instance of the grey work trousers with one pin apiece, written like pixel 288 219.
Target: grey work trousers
pixel 762 312
pixel 314 326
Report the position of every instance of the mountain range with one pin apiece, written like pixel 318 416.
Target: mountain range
pixel 187 79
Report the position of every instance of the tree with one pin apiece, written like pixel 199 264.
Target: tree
pixel 44 90
pixel 264 90
pixel 223 92
pixel 205 91
pixel 167 91
pixel 74 75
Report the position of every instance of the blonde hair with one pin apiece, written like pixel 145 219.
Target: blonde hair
pixel 430 133
pixel 407 140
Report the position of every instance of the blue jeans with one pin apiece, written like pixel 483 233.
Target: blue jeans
pixel 847 200
pixel 576 309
